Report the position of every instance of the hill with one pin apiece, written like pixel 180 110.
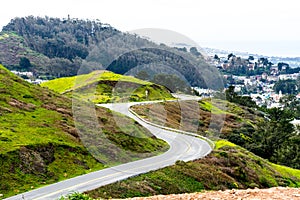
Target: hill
pixel 67 45
pixel 268 134
pixel 105 86
pixel 42 143
pixel 208 117
pixel 18 50
pixel 227 167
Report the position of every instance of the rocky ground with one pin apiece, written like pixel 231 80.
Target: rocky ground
pixel 276 193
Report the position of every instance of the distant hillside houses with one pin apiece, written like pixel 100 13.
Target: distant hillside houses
pixel 271 99
pixel 204 92
pixel 28 76
pixel 288 76
pixel 250 65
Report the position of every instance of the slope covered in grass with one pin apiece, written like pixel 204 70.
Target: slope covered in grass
pixel 13 47
pixel 105 86
pixel 268 134
pixel 206 117
pixel 228 166
pixel 40 144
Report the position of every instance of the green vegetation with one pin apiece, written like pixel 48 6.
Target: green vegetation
pixel 104 86
pixel 269 135
pixel 172 82
pixel 231 96
pixel 221 143
pixel 204 117
pixel 60 47
pixel 16 55
pixel 286 86
pixel 40 144
pixel 76 196
pixel 227 167
pixel 274 137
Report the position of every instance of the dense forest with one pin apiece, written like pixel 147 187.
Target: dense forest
pixel 53 47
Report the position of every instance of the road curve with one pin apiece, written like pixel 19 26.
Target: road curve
pixel 182 147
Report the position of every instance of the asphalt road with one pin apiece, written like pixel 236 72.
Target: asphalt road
pixel 182 147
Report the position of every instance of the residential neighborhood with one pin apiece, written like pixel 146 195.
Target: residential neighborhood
pixel 256 77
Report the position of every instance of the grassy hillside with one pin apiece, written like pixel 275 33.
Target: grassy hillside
pixel 39 143
pixel 228 166
pixel 268 134
pixel 13 47
pixel 205 117
pixel 104 86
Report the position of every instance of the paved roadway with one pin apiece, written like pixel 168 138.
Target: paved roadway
pixel 182 147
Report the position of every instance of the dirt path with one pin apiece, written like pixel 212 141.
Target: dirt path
pixel 253 194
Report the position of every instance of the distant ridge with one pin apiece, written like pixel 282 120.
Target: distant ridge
pixel 57 47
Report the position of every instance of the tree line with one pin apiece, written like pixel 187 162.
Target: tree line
pixel 72 44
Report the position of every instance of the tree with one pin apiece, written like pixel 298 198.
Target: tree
pixel 216 57
pixel 229 56
pixel 286 86
pixel 142 75
pixel 271 136
pixel 250 58
pixel 292 104
pixel 241 100
pixel 194 51
pixel 24 63
pixel 281 64
pixel 230 94
pixel 172 82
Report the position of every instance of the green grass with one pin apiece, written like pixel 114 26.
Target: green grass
pixel 210 107
pixel 3 36
pixel 222 143
pixel 40 144
pixel 62 85
pixel 286 171
pixel 76 196
pixel 105 86
pixel 203 117
pixel 227 167
pixel 33 129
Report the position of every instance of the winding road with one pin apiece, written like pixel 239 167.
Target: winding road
pixel 182 147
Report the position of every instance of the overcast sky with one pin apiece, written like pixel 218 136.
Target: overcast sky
pixel 256 26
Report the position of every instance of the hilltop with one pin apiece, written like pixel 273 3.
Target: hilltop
pixel 40 143
pixel 105 86
pixel 53 48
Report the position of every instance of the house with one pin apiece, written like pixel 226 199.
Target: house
pixel 251 66
pixel 272 78
pixel 274 70
pixel 264 76
pixel 225 65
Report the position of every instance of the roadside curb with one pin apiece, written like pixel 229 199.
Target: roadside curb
pixel 211 143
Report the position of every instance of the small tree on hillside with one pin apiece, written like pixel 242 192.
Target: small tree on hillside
pixel 24 63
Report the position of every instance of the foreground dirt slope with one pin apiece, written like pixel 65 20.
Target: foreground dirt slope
pixel 281 193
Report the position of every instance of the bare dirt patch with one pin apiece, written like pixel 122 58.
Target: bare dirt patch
pixel 249 194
